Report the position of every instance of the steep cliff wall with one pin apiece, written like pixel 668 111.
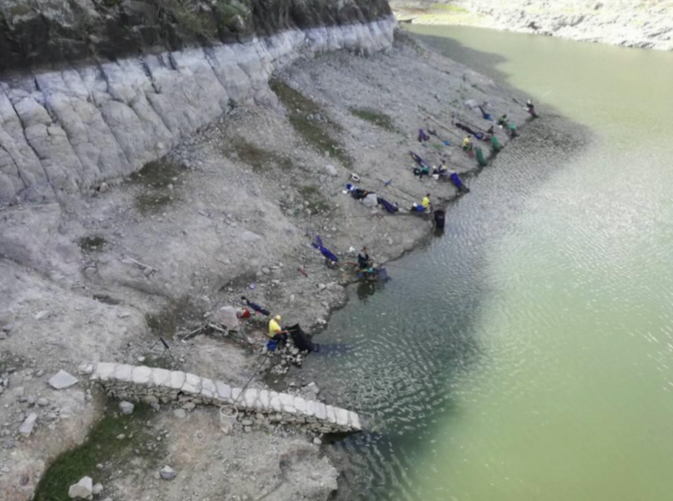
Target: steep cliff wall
pixel 630 23
pixel 41 32
pixel 95 116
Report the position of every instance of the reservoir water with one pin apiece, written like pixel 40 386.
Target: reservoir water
pixel 527 353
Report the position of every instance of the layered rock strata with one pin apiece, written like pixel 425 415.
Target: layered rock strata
pixel 69 130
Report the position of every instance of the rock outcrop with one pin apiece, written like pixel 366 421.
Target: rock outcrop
pixel 96 116
pixel 629 23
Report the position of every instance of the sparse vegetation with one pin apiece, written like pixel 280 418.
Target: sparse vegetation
pixel 258 158
pixel 375 117
pixel 92 243
pixel 309 120
pixel 156 178
pixel 166 322
pixel 315 198
pixel 102 446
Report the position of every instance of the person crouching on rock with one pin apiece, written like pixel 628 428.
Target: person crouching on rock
pixel 276 333
pixel 364 261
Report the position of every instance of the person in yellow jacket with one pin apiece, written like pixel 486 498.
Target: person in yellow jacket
pixel 467 143
pixel 426 201
pixel 276 332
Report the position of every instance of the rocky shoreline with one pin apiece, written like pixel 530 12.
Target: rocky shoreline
pixel 231 210
pixel 639 24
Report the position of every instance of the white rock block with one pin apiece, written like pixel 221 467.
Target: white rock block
pixel 192 384
pixel 287 403
pixel 341 416
pixel 250 397
pixel 223 390
pixel 208 388
pixel 177 380
pixel 264 398
pixel 320 411
pixel 122 373
pixel 274 402
pixel 331 414
pixel 355 421
pixel 236 393
pixel 141 375
pixel 160 377
pixel 103 371
pixel 310 408
pixel 300 405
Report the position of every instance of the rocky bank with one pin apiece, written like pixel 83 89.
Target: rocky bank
pixel 630 23
pixel 96 268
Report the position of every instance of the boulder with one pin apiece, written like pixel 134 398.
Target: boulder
pixel 226 317
pixel 370 200
pixel 62 380
pixel 331 170
pixel 28 425
pixel 167 473
pixel 82 489
pixel 126 407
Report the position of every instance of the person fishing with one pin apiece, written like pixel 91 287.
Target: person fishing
pixel 512 131
pixel 276 332
pixel 530 107
pixel 442 170
pixel 467 144
pixel 426 202
pixel 503 120
pixel 440 217
pixel 422 171
pixel 424 205
pixel 364 260
pixel 330 258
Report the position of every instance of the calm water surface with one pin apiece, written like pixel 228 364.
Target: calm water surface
pixel 526 354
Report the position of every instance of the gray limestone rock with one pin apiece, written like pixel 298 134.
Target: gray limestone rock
pixel 27 427
pixel 62 380
pixel 167 473
pixel 126 407
pixel 82 489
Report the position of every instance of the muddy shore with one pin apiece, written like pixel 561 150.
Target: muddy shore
pixel 231 211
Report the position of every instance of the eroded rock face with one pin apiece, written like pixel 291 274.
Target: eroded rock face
pixel 44 32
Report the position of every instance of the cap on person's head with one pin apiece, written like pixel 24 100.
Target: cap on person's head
pixel 277 317
pixel 428 195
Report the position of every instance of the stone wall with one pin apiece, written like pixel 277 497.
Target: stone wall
pixel 69 130
pixel 153 385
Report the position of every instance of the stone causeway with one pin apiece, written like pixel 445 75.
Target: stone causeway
pixel 154 385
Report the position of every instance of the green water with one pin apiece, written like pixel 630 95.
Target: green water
pixel 527 354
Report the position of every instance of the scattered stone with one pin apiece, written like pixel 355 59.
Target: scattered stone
pixel 28 425
pixel 246 422
pixel 121 436
pixel 42 315
pixel 321 287
pixel 97 489
pixel 62 380
pixel 180 413
pixel 126 407
pixel 167 473
pixel 331 170
pixel 42 402
pixel 189 406
pixel 317 441
pixel 82 489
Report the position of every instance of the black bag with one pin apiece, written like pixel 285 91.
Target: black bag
pixel 302 340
